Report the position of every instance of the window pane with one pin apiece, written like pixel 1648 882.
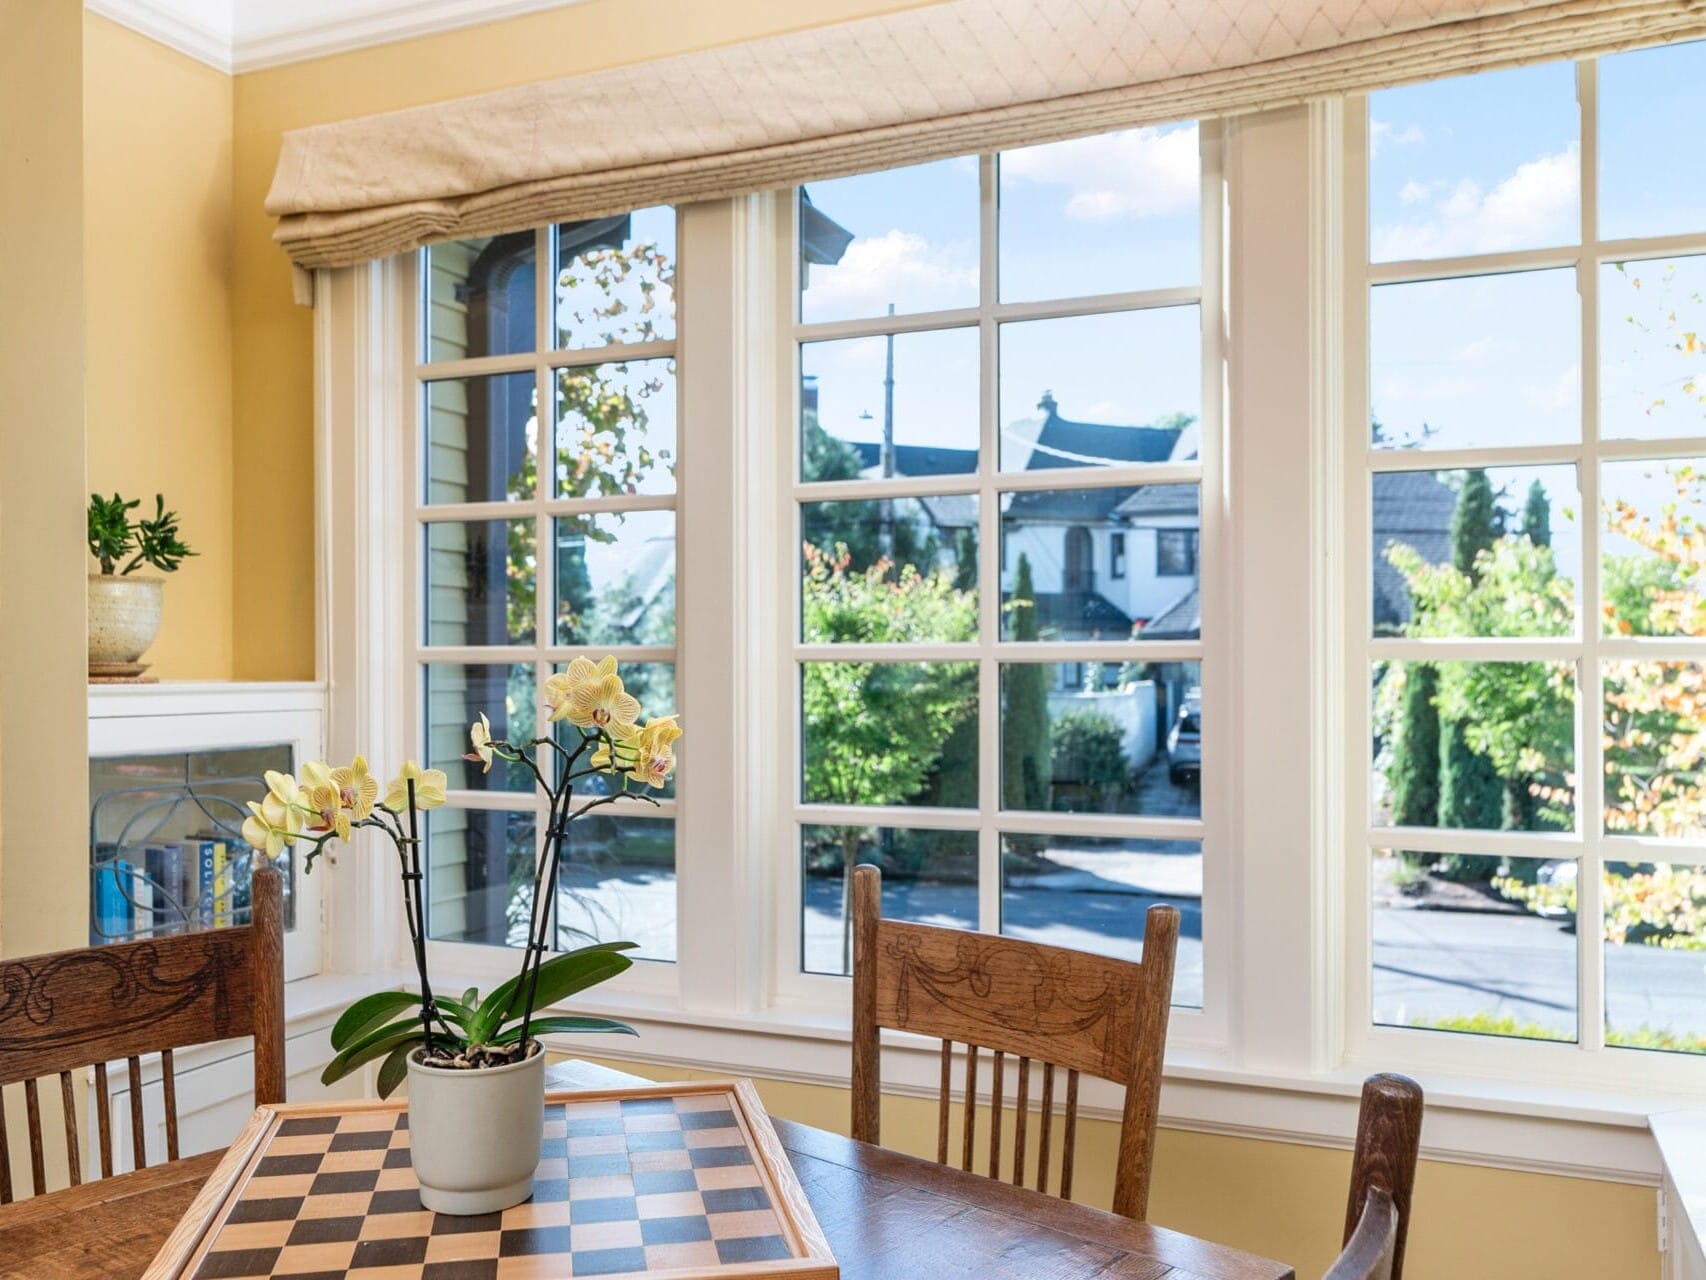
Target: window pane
pixel 917 391
pixel 479 297
pixel 1655 749
pixel 1645 188
pixel 929 877
pixel 1090 894
pixel 1105 214
pixel 616 578
pixel 1099 391
pixel 1478 362
pixel 1443 184
pixel 653 684
pixel 1101 737
pixel 1655 978
pixel 616 429
pixel 1474 745
pixel 889 570
pixel 890 733
pixel 480 582
pixel 1101 564
pixel 480 439
pixel 456 695
pixel 1475 943
pixel 1651 359
pixel 902 240
pixel 1655 515
pixel 479 875
pixel 616 279
pixel 1487 552
pixel 617 883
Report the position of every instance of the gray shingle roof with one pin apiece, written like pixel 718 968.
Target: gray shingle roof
pixel 1181 620
pixel 1415 508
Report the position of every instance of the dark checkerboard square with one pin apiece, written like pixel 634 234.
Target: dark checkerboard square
pixel 734 1199
pixel 404 1200
pixel 451 1224
pixel 657 1184
pixel 607 1262
pixel 337 1184
pixel 324 1230
pixel 486 1269
pixel 718 1157
pixel 271 1209
pixel 708 1120
pixel 752 1249
pixel 648 1106
pixel 528 1241
pixel 595 1126
pixel 599 1166
pixel 285 1166
pixel 671 1140
pixel 554 1149
pixel 675 1230
pixel 397 1158
pixel 236 1262
pixel 297 1126
pixel 368 1140
pixel 608 1209
pixel 402 1252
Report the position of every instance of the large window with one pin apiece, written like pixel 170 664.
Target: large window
pixel 545 493
pixel 1532 618
pixel 998 482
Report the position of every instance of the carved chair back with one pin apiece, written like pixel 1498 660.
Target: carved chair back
pixel 1383 1173
pixel 1045 1006
pixel 65 1012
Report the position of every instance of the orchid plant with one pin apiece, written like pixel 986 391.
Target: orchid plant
pixel 326 804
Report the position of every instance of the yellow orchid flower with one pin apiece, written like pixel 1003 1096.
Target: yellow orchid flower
pixel 275 822
pixel 623 737
pixel 480 734
pixel 429 788
pixel 560 688
pixel 358 788
pixel 603 704
pixel 654 752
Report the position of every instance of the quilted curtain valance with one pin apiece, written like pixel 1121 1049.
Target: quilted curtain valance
pixel 947 79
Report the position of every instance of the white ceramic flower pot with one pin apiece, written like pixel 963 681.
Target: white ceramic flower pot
pixel 474 1136
pixel 124 617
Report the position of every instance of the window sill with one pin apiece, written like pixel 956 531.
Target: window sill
pixel 1522 1126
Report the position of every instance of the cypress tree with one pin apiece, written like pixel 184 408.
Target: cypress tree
pixel 1471 793
pixel 1537 516
pixel 1024 732
pixel 1476 523
pixel 1415 771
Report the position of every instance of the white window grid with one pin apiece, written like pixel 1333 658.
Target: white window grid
pixel 1588 1060
pixel 792 985
pixel 544 655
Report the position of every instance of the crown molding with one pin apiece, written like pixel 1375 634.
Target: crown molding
pixel 170 22
pixel 236 36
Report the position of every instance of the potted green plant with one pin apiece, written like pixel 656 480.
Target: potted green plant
pixel 124 610
pixel 475 1068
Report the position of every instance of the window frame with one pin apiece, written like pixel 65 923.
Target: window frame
pixel 1587 1061
pixel 791 986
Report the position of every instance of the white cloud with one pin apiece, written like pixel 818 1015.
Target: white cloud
pixel 1413 192
pixel 1534 205
pixel 1564 394
pixel 1137 172
pixel 1383 134
pixel 898 266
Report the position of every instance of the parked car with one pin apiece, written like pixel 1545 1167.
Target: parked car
pixel 1184 742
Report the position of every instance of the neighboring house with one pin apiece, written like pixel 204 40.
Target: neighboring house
pixel 1414 508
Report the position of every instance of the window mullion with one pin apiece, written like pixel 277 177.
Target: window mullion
pixel 544 533
pixel 989 552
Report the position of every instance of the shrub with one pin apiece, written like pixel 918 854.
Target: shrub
pixel 1087 753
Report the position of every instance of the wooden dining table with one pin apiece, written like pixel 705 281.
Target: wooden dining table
pixel 888 1216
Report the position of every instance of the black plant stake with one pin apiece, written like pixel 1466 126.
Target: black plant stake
pixel 413 908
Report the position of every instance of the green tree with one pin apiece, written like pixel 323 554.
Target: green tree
pixel 1476 522
pixel 1537 516
pixel 875 732
pixel 1025 747
pixel 1416 760
pixel 1087 750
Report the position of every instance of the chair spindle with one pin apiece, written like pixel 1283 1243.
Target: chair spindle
pixel 169 1084
pixel 971 1108
pixel 944 1101
pixel 139 1147
pixel 1046 1132
pixel 68 1104
pixel 104 1119
pixel 997 1083
pixel 1071 1135
pixel 32 1100
pixel 5 1158
pixel 1021 1111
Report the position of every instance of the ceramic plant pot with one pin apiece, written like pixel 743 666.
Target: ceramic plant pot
pixel 124 617
pixel 474 1136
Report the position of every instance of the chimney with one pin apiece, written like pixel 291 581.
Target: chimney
pixel 808 393
pixel 1047 403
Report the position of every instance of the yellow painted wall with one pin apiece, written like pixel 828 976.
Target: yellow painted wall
pixel 273 355
pixel 157 228
pixel 1287 1201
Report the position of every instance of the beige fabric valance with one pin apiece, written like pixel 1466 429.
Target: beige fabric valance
pixel 952 78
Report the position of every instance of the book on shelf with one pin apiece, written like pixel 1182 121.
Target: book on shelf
pixel 113 912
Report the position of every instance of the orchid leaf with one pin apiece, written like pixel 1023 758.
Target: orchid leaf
pixel 566 1026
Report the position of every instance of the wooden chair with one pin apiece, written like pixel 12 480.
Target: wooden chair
pixel 1061 1008
pixel 1383 1171
pixel 72 1009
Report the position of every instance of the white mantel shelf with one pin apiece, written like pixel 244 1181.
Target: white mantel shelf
pixel 203 697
